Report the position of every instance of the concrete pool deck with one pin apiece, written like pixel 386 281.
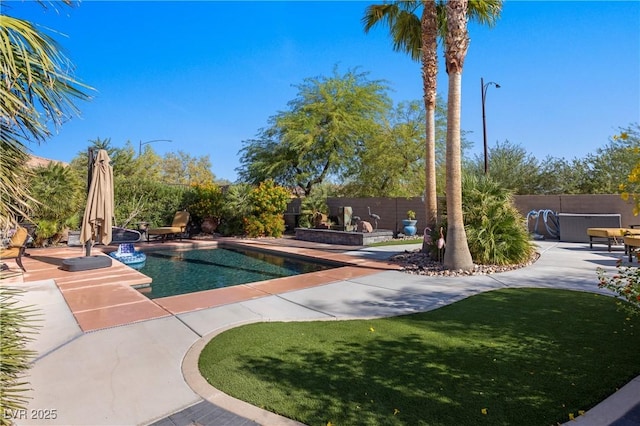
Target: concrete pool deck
pixel 141 371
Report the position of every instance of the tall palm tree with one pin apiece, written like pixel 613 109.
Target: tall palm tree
pixel 457 256
pixel 418 36
pixel 35 90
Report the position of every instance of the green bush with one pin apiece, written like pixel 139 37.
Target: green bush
pixel 16 325
pixel 139 200
pixel 268 203
pixel 496 231
pixel 625 284
pixel 60 197
pixel 235 207
pixel 203 201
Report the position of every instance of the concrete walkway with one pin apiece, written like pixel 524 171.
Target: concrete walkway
pixel 146 372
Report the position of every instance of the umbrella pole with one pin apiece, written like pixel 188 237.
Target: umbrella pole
pixel 87 245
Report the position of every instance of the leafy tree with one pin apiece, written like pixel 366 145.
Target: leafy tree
pixel 630 187
pixel 561 176
pixel 183 169
pixel 457 255
pixel 36 96
pixel 612 165
pixel 391 162
pixel 418 36
pixel 512 167
pixel 320 132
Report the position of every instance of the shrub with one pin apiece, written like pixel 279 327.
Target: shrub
pixel 268 204
pixel 16 325
pixel 236 206
pixel 625 284
pixel 61 197
pixel 203 200
pixel 496 231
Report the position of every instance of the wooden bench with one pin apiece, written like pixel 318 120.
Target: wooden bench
pixel 611 235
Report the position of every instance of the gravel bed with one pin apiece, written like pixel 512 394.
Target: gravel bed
pixel 417 263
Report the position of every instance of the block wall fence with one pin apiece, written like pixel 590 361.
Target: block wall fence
pixel 393 210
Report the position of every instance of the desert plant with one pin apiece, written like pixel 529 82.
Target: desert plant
pixel 625 284
pixel 203 200
pixel 268 202
pixel 17 324
pixel 235 207
pixel 411 215
pixel 495 229
pixel 60 195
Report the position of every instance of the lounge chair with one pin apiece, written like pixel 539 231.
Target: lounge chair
pixel 178 226
pixel 16 248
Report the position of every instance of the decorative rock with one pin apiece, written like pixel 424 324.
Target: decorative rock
pixel 418 263
pixel 364 226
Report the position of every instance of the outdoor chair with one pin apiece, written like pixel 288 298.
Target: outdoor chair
pixel 16 248
pixel 178 226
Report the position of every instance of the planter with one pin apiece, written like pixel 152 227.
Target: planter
pixel 209 225
pixel 409 227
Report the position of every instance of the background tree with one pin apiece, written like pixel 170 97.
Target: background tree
pixel 630 187
pixel 36 96
pixel 390 163
pixel 612 164
pixel 457 255
pixel 512 167
pixel 320 132
pixel 181 168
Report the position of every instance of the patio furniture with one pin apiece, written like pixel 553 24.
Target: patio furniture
pixel 178 226
pixel 17 247
pixel 611 235
pixel 631 244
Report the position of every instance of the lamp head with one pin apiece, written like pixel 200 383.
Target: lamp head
pixel 497 85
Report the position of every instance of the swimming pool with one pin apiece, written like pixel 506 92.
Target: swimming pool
pixel 182 272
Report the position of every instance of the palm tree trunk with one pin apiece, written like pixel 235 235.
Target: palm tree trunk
pixel 429 24
pixel 457 255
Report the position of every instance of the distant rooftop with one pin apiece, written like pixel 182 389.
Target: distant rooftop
pixel 35 161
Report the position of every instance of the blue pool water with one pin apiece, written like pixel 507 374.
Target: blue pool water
pixel 181 272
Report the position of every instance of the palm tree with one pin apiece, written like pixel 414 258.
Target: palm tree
pixel 418 36
pixel 36 89
pixel 457 255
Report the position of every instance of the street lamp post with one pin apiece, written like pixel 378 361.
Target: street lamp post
pixel 484 88
pixel 148 142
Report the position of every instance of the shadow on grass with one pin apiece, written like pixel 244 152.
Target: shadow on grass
pixel 526 356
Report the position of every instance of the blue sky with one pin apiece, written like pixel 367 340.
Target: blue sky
pixel 209 74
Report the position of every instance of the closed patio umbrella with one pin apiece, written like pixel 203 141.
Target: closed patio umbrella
pixel 98 214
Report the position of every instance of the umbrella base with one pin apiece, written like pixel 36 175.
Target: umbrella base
pixel 85 263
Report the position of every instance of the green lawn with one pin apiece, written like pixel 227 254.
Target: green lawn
pixel 398 242
pixel 515 356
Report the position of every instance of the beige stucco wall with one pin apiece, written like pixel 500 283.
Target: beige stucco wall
pixel 393 210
